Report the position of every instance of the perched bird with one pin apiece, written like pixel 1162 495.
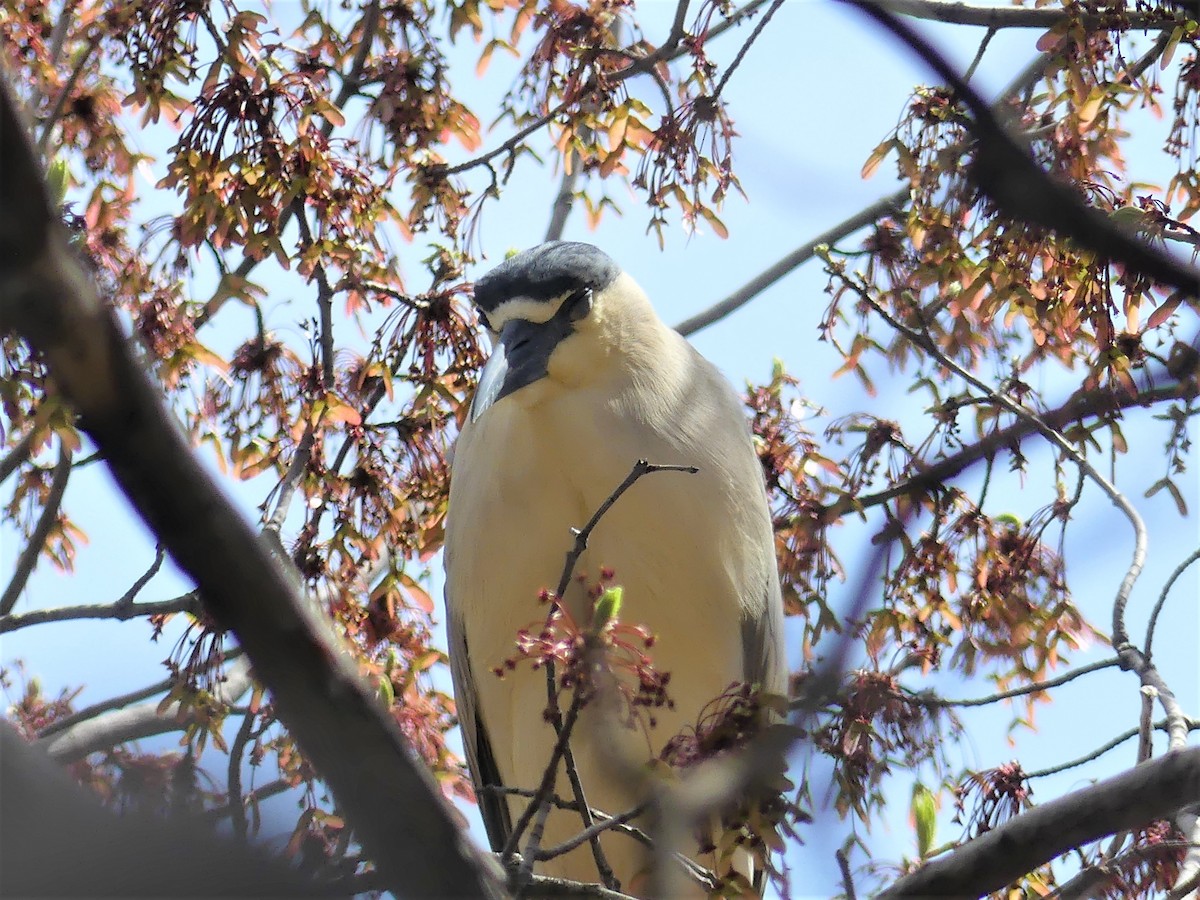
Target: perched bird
pixel 584 380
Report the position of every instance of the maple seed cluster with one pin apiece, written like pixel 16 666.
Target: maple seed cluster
pixel 604 645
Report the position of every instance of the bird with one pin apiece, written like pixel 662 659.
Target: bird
pixel 584 379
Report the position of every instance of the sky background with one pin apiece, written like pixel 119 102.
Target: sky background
pixel 818 91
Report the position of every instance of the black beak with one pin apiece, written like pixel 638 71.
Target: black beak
pixel 519 358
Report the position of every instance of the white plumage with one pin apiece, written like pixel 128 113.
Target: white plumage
pixel 586 380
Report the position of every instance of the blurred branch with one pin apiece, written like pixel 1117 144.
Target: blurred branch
pixel 20 451
pixel 390 798
pixel 1084 885
pixel 1153 790
pixel 59 842
pixel 89 712
pixel 959 13
pixel 132 723
pixel 28 559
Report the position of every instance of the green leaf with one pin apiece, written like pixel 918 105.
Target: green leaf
pixel 608 607
pixel 924 814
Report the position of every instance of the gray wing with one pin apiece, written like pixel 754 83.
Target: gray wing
pixel 493 807
pixel 763 655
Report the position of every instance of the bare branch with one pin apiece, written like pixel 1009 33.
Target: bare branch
pixel 121 611
pixel 233 783
pixel 390 798
pixel 928 699
pixel 28 559
pixel 1154 790
pixel 60 102
pixel 745 48
pixel 565 198
pixel 797 257
pixel 960 13
pixel 291 478
pixel 1162 597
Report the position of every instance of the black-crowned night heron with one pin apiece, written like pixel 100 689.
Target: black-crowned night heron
pixel 583 381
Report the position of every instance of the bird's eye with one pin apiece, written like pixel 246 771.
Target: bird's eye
pixel 579 304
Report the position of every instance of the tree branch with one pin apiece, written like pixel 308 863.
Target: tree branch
pixel 28 559
pixel 797 257
pixel 1162 597
pixel 20 451
pixel 1009 175
pixel 394 806
pixel 1079 406
pixel 188 603
pixel 132 723
pixel 959 13
pixel 1153 790
pixel 928 699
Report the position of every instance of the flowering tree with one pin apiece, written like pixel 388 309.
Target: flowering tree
pixel 293 149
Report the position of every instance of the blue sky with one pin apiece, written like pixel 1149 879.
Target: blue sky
pixel 814 96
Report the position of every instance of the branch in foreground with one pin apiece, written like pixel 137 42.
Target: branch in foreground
pixel 391 800
pixel 1153 790
pixel 59 842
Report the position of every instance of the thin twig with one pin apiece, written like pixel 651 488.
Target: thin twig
pixel 745 48
pixel 60 101
pixel 928 699
pixel 1162 597
pixel 41 531
pixel 605 824
pixel 324 297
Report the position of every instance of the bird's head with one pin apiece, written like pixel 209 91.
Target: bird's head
pixel 557 311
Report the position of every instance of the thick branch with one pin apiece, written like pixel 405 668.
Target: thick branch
pixel 1153 790
pixel 393 804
